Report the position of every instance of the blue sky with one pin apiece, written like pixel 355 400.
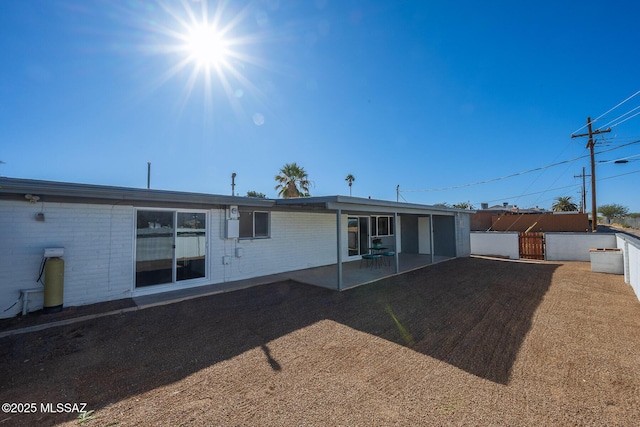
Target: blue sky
pixel 421 94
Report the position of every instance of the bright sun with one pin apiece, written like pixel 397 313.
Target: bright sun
pixel 206 46
pixel 210 49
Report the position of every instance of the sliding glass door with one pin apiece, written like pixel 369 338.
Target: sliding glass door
pixel 170 246
pixel 358 235
pixel 191 245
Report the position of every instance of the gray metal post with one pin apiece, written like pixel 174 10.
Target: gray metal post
pixel 396 231
pixel 339 248
pixel 431 238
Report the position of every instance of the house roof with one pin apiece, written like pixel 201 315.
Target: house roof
pixel 53 191
pixel 358 204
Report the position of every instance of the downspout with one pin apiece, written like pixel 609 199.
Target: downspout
pixel 339 246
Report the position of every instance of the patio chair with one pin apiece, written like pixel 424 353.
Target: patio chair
pixel 372 260
pixel 388 254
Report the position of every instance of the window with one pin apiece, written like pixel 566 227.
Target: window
pixel 254 224
pixel 382 226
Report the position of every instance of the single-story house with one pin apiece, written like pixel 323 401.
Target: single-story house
pixel 126 242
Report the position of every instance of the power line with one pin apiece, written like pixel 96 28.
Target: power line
pixel 628 118
pixel 618 160
pixel 497 179
pixel 619 146
pixel 516 174
pixel 532 194
pixel 604 114
pixel 622 174
pixel 558 188
pixel 619 117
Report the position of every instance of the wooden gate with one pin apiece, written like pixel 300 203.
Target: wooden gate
pixel 531 245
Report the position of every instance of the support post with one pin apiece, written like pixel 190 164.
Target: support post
pixel 396 231
pixel 339 246
pixel 431 240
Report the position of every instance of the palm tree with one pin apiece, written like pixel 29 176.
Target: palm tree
pixel 293 181
pixel 564 204
pixel 350 178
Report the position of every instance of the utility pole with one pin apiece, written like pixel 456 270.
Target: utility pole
pixel 583 200
pixel 148 175
pixel 590 145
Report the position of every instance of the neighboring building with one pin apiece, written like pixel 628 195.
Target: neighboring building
pixel 125 242
pixel 511 218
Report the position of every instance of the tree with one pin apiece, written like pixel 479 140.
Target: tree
pixel 293 181
pixel 256 194
pixel 613 211
pixel 463 205
pixel 564 204
pixel 350 178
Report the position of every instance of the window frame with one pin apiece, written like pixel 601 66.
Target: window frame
pixel 375 225
pixel 252 213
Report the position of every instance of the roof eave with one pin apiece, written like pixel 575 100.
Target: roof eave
pixel 82 192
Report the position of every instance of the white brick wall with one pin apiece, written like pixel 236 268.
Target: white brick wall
pixel 99 250
pixel 98 242
pixel 297 241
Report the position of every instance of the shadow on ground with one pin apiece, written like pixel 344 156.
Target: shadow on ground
pixel 471 313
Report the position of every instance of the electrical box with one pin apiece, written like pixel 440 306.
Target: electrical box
pixel 53 252
pixel 239 252
pixel 233 212
pixel 232 229
pixel 226 260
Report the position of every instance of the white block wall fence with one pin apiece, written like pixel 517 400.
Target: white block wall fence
pixel 565 247
pixel 575 246
pixel 495 243
pixel 631 252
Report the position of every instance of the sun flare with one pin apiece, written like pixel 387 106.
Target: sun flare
pixel 207 46
pixel 212 47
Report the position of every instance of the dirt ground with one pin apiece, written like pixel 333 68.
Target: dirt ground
pixel 466 342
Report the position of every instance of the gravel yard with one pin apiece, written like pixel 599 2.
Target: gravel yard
pixel 467 342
